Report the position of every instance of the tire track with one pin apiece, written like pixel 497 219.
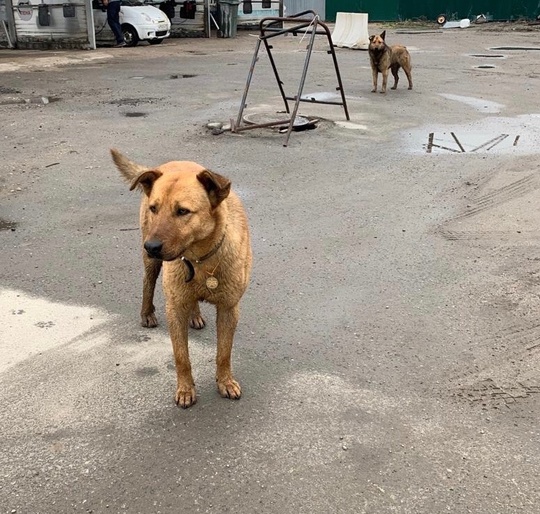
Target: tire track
pixel 484 203
pixel 510 377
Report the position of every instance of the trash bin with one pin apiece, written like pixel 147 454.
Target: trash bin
pixel 228 16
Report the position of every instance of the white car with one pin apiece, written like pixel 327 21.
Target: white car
pixel 139 23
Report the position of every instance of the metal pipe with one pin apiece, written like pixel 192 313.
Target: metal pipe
pixel 276 74
pixel 302 82
pixel 246 89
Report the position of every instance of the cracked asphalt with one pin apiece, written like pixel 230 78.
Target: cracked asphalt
pixel 389 343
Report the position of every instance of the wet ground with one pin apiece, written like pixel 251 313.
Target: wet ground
pixel 389 343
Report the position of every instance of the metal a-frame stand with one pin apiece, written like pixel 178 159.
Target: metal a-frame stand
pixel 306 22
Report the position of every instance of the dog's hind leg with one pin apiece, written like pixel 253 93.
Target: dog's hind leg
pixel 227 319
pixel 196 320
pixel 409 75
pixel 395 70
pixel 152 267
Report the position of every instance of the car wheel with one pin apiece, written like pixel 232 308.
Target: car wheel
pixel 130 35
pixel 156 41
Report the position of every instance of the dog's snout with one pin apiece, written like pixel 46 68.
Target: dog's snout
pixel 153 248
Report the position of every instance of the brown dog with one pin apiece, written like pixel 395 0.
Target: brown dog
pixel 196 226
pixel 384 58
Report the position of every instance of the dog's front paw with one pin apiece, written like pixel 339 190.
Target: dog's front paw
pixel 383 92
pixel 374 90
pixel 229 388
pixel 185 396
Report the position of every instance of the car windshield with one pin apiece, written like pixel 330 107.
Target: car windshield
pixel 132 3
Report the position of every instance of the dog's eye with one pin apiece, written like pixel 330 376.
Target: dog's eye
pixel 153 209
pixel 181 211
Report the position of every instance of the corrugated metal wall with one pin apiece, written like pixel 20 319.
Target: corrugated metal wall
pixel 259 9
pixel 67 24
pixel 296 6
pixel 3 20
pixel 376 9
pixel 183 27
pixel 394 10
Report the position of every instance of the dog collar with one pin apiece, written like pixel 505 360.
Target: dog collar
pixel 189 265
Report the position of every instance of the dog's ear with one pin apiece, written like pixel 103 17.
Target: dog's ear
pixel 129 170
pixel 371 38
pixel 146 181
pixel 383 34
pixel 217 186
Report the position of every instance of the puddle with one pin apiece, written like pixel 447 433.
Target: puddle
pixel 321 97
pixel 8 91
pixel 477 103
pixel 7 225
pixel 499 136
pixel 515 48
pixel 134 101
pixel 488 56
pixel 349 125
pixel 135 114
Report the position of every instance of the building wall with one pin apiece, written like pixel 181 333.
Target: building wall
pixel 395 10
pixel 67 24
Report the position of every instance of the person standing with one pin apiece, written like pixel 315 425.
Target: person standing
pixel 113 19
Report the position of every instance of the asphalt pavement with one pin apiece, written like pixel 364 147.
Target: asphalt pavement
pixel 389 343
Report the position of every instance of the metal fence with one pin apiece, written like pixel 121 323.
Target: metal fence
pixel 397 10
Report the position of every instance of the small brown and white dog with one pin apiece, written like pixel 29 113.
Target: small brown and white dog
pixel 194 226
pixel 384 58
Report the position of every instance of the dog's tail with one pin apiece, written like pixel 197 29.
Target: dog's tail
pixel 129 170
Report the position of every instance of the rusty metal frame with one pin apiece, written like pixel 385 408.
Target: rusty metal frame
pixel 308 23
